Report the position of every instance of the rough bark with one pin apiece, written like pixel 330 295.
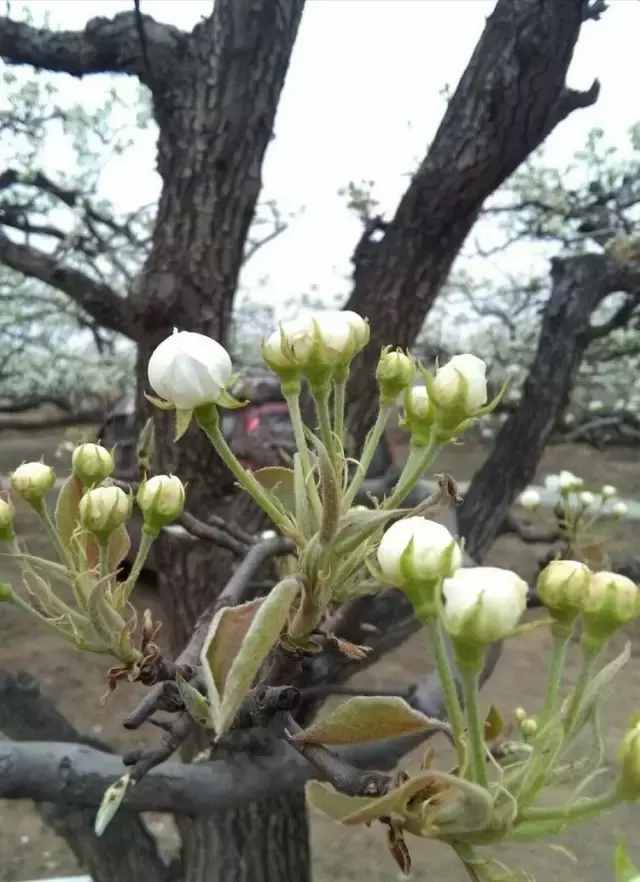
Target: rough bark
pixel 578 286
pixel 510 97
pixel 126 852
pixel 224 846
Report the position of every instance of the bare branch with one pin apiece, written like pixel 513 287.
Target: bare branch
pixel 85 418
pixel 99 300
pixel 104 46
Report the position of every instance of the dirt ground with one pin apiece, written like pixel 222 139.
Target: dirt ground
pixel 28 850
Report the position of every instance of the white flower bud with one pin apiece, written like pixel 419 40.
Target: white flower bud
pixel 394 373
pixel 104 509
pixel 417 551
pixel 32 481
pixel 611 600
pixel 461 385
pixel 619 509
pixel 569 482
pixel 528 727
pixel 161 501
pixel 569 419
pixel 91 463
pixel 587 499
pixel 316 341
pixel 189 370
pixel 530 499
pixel 595 406
pixel 520 714
pixel 608 491
pixel 483 604
pixel 552 483
pixel 6 521
pixel 562 586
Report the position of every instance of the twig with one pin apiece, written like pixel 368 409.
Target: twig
pixel 236 591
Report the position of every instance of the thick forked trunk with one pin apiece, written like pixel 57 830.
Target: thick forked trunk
pixel 578 286
pixel 510 97
pixel 262 842
pixel 216 114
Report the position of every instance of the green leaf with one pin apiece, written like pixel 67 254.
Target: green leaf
pixel 362 719
pixel 493 725
pixel 356 526
pixel 239 640
pixel 66 513
pixel 196 704
pixel 119 545
pixel 110 804
pixel 303 513
pixel 183 421
pixel 280 482
pixel 599 683
pixel 625 870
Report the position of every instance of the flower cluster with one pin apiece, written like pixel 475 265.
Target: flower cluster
pixel 89 533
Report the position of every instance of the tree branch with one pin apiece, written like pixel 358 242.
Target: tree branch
pixel 99 300
pixel 104 46
pixel 127 852
pixel 508 100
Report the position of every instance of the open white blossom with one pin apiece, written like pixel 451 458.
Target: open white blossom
pixel 530 499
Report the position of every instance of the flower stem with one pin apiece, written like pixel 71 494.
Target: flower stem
pixel 469 676
pixel 209 421
pixel 295 414
pixel 449 690
pixel 125 590
pixel 558 655
pixel 321 397
pixel 339 394
pixel 368 452
pixel 588 659
pixel 103 557
pixel 578 811
pixel 420 458
pixel 52 532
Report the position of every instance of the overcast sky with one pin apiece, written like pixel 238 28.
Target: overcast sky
pixel 362 100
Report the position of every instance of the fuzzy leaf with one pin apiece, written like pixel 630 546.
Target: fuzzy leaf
pixel 493 725
pixel 196 704
pixel 364 809
pixel 239 640
pixel 279 481
pixel 119 545
pixel 356 526
pixel 67 504
pixel 601 680
pixel 303 513
pixel 625 870
pixel 110 804
pixel 363 719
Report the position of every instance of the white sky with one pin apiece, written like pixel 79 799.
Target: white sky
pixel 361 101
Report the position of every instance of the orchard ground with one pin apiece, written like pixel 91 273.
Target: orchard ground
pixel 30 850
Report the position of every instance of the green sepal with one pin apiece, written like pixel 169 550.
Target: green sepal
pixel 183 421
pixel 225 399
pixel 160 403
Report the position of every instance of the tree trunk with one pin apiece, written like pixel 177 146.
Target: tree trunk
pixel 216 113
pixel 262 842
pixel 578 286
pixel 511 95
